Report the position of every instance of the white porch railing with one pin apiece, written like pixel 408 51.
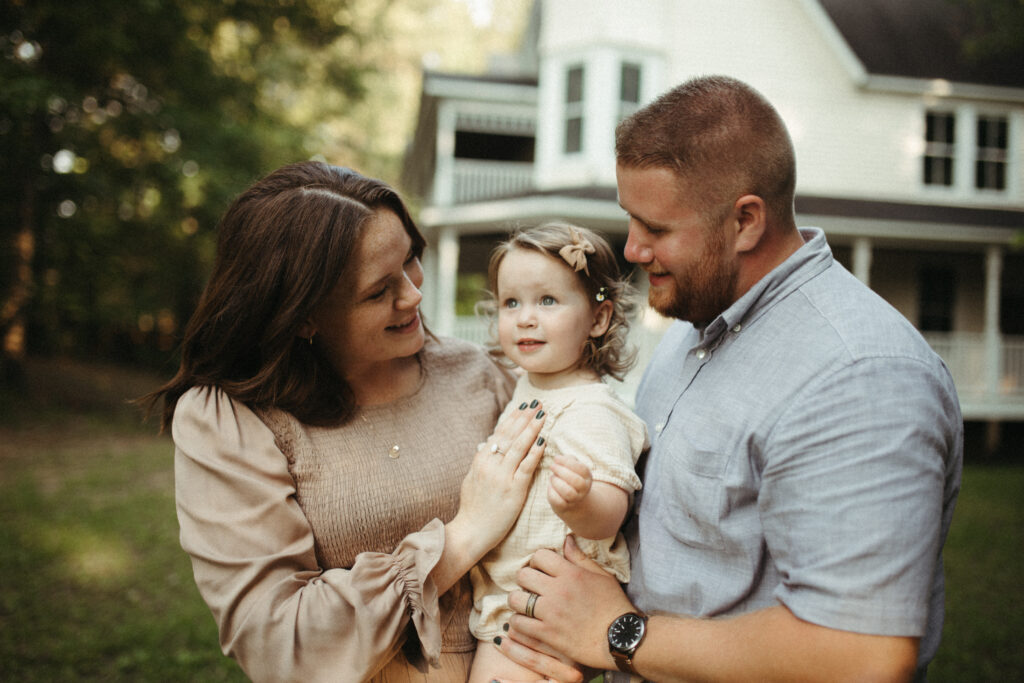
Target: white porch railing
pixel 476 179
pixel 965 353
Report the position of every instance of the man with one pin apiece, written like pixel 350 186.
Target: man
pixel 806 441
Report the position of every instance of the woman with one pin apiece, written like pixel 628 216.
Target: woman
pixel 323 439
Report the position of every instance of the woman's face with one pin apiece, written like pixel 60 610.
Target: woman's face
pixel 373 317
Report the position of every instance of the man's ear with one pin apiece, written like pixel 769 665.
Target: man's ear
pixel 602 318
pixel 751 220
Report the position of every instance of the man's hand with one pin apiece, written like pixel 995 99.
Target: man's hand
pixel 577 601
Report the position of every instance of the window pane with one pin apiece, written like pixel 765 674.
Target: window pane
pixel 573 135
pixel 574 85
pixel 629 88
pixel 939 128
pixel 938 171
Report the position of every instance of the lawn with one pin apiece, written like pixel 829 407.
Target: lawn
pixel 95 587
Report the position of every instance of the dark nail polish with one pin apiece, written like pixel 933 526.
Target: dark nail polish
pixel 497 640
pixel 523 406
pixel 540 440
pixel 504 627
pixel 534 403
pixel 540 414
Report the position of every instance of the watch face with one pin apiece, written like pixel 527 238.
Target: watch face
pixel 626 631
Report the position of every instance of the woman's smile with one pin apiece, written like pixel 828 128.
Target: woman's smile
pixel 410 325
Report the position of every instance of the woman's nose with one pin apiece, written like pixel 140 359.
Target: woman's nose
pixel 410 295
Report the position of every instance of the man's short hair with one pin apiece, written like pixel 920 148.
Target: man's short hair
pixel 722 137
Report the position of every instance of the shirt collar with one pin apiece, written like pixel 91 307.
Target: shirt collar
pixel 805 263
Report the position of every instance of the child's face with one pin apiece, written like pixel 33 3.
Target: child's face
pixel 545 317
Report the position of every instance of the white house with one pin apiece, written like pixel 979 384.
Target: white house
pixel 908 155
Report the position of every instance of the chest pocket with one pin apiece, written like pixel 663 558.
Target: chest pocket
pixel 684 487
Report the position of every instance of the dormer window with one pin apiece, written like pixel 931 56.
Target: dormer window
pixel 939 148
pixel 990 159
pixel 574 110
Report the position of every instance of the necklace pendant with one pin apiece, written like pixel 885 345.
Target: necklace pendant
pixel 393 453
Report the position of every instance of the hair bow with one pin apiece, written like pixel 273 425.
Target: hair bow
pixel 575 254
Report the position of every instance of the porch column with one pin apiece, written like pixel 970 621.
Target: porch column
pixel 993 280
pixel 993 351
pixel 444 167
pixel 429 304
pixel 447 276
pixel 862 260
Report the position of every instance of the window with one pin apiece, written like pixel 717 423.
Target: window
pixel 935 305
pixel 574 110
pixel 939 148
pixel 990 161
pixel 629 89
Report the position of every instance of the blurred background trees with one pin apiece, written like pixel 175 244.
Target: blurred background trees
pixel 126 128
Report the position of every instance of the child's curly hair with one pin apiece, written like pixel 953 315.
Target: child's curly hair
pixel 599 276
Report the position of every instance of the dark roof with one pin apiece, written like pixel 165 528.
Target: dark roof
pixel 928 39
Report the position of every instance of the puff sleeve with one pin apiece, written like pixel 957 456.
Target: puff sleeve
pixel 278 613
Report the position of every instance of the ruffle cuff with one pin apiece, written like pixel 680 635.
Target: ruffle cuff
pixel 414 559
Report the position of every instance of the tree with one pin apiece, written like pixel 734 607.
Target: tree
pixel 124 130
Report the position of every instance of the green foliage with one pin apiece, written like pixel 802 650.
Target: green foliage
pixel 125 129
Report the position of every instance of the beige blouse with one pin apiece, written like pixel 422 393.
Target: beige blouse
pixel 313 546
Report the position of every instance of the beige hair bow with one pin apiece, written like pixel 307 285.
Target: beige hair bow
pixel 575 254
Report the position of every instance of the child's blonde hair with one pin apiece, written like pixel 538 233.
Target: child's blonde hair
pixel 593 260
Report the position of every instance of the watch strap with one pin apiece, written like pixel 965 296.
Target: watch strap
pixel 624 662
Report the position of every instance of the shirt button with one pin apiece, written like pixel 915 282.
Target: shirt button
pixel 701 354
pixel 737 328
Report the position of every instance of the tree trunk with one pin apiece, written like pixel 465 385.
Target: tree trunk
pixel 12 315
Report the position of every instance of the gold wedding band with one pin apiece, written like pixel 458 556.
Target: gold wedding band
pixel 531 602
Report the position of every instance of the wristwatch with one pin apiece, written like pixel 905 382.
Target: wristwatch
pixel 624 636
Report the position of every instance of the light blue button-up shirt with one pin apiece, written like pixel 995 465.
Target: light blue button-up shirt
pixel 806 450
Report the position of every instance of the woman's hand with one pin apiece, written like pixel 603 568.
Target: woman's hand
pixel 493 492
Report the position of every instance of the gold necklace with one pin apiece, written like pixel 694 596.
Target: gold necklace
pixel 394 451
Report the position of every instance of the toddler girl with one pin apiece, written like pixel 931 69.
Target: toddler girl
pixel 561 316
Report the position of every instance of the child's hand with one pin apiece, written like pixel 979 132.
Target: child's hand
pixel 570 483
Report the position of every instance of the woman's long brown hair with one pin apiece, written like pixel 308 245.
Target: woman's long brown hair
pixel 283 244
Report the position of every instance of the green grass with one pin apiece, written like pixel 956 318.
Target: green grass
pixel 94 586
pixel 984 559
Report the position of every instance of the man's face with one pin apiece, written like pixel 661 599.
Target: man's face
pixel 691 265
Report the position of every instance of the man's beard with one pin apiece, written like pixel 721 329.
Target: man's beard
pixel 702 293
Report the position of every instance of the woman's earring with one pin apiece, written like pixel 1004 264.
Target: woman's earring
pixel 311 338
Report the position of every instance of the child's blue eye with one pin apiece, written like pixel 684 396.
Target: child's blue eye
pixel 511 303
pixel 547 300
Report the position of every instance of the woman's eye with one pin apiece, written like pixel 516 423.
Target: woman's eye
pixel 378 295
pixel 547 300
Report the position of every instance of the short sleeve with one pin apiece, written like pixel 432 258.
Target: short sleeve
pixel 278 613
pixel 852 508
pixel 606 437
